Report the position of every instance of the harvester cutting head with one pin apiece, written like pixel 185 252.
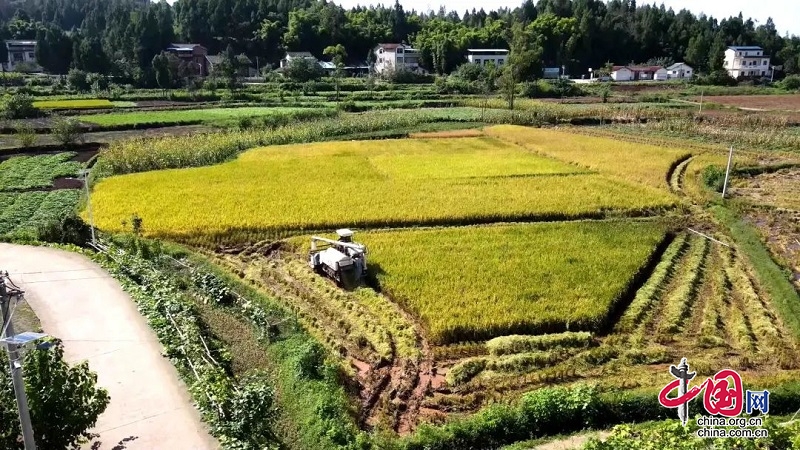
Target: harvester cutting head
pixel 344 261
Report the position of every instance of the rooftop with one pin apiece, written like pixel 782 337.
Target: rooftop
pixel 299 54
pixel 15 42
pixel 184 46
pixel 676 65
pixel 487 50
pixel 396 46
pixel 745 47
pixel 638 68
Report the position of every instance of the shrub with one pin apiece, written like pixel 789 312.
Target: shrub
pixel 64 400
pixel 78 80
pixel 310 360
pixel 245 122
pixel 69 230
pixel 67 131
pixel 18 106
pixel 714 177
pixel 349 106
pixel 26 135
pixel 469 72
pixel 717 78
pixel 405 76
pixel 791 83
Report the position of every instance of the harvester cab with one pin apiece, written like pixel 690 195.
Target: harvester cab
pixel 342 260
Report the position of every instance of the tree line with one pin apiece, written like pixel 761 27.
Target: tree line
pixel 122 37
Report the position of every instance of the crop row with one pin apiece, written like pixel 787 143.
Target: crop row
pixel 27 172
pixel 24 213
pixel 761 324
pixel 506 345
pixel 678 303
pixel 518 363
pixel 711 332
pixel 649 293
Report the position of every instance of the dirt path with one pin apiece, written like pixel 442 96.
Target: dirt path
pixel 573 442
pixel 81 304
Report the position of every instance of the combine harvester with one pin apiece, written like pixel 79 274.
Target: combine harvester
pixel 344 261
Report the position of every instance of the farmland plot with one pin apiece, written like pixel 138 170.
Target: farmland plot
pixel 282 190
pixel 185 116
pixel 647 164
pixel 475 283
pixel 28 172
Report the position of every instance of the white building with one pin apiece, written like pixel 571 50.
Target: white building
pixel 746 62
pixel 680 71
pixel 296 55
pixel 483 56
pixel 21 52
pixel 621 73
pixel 396 56
pixel 638 73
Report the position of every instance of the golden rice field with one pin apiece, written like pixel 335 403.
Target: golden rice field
pixel 641 163
pixel 286 189
pixel 475 283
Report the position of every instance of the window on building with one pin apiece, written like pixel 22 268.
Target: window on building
pixel 477 60
pixel 763 73
pixel 17 57
pixel 499 61
pixel 765 62
pixel 31 55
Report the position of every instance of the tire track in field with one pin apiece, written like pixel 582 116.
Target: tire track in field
pixel 676 174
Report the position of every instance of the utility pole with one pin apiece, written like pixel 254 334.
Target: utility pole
pixel 16 370
pixel 89 203
pixel 727 172
pixel 701 102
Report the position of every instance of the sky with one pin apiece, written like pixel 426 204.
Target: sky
pixel 785 13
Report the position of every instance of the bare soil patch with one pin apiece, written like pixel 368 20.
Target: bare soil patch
pixel 789 102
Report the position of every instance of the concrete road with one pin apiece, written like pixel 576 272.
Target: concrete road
pixel 81 304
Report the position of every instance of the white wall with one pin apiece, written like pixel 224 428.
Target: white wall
pixel 622 75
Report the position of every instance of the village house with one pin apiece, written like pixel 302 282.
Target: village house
pixel 246 70
pixel 21 52
pixel 680 71
pixel 194 55
pixel 396 56
pixel 638 73
pixel 296 55
pixel 746 61
pixel 483 56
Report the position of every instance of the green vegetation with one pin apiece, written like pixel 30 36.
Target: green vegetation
pixel 73 104
pixel 190 116
pixel 28 172
pixel 21 214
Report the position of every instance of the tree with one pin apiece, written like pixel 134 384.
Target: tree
pixel 716 56
pixel 64 400
pixel 229 68
pixel 161 69
pixel 53 50
pixel 338 53
pixel 303 69
pixel 523 61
